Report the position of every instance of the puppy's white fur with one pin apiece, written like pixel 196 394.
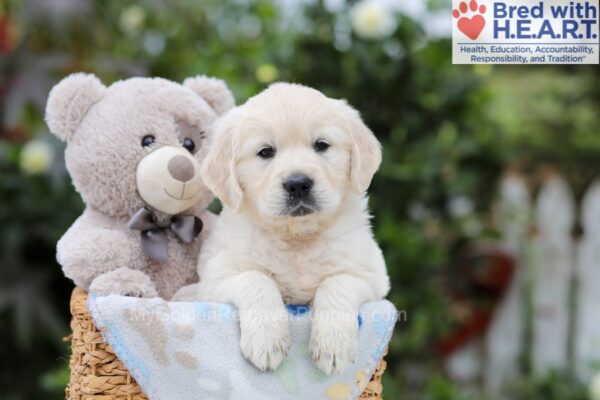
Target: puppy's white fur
pixel 259 258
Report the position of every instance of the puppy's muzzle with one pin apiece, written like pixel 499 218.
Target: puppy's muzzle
pixel 300 200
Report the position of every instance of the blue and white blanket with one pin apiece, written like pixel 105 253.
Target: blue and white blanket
pixel 190 351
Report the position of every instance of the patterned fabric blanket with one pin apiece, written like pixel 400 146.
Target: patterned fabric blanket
pixel 190 351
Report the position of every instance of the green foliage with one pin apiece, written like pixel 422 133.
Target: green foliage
pixel 53 382
pixel 35 211
pixel 554 385
pixel 440 388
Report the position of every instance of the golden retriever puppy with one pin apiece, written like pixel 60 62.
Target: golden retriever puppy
pixel 291 167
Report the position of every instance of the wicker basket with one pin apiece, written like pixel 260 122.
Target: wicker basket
pixel 97 373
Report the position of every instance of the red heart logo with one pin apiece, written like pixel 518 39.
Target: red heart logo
pixel 471 27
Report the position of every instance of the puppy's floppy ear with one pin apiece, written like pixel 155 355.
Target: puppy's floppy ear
pixel 366 150
pixel 219 167
pixel 213 90
pixel 69 101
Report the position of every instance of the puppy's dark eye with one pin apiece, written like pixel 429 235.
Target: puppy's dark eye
pixel 266 152
pixel 321 146
pixel 189 145
pixel 148 140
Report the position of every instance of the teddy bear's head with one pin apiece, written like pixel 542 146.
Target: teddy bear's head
pixel 137 142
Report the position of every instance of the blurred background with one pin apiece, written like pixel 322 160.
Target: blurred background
pixel 485 205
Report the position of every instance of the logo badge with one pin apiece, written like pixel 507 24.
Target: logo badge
pixel 525 32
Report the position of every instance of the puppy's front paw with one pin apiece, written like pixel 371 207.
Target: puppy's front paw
pixel 333 342
pixel 265 337
pixel 123 281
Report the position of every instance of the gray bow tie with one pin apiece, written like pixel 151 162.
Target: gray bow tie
pixel 154 234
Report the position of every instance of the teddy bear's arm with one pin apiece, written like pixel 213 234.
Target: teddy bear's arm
pixel 124 281
pixel 97 259
pixel 87 251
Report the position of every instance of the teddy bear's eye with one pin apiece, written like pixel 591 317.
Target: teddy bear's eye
pixel 148 140
pixel 189 145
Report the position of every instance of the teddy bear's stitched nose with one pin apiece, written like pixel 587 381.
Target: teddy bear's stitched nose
pixel 181 168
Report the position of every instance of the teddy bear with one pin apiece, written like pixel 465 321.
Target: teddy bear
pixel 134 151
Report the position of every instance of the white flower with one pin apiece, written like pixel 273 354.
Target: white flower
pixel 36 157
pixel 266 73
pixel 460 206
pixel 249 26
pixel 372 19
pixel 595 387
pixel 418 212
pixel 154 43
pixel 437 24
pixel 132 19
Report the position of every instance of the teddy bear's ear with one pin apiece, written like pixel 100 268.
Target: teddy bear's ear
pixel 69 101
pixel 213 90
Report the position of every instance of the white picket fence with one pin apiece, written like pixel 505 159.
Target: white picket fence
pixel 563 280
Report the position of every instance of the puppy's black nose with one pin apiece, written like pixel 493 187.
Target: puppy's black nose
pixel 298 186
